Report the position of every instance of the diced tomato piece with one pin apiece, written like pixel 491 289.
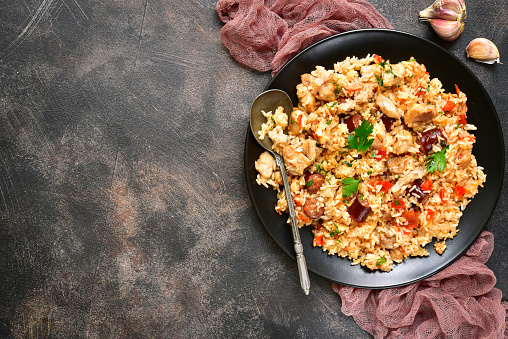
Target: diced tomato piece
pixel 318 241
pixel 412 218
pixel 469 137
pixel 299 121
pixel 421 91
pixel 430 214
pixel 427 185
pixel 382 152
pixel 448 106
pixel 404 230
pixel 443 195
pixel 457 89
pixel 385 185
pixel 398 204
pixel 460 191
pixel 377 58
pixel 462 120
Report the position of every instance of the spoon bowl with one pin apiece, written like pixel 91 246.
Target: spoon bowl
pixel 267 101
pixel 270 101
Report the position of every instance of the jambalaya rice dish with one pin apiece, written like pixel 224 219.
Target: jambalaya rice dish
pixel 379 160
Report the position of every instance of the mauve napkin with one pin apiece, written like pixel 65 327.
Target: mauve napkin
pixel 458 302
pixel 264 35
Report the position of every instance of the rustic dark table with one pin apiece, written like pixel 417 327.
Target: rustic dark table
pixel 123 205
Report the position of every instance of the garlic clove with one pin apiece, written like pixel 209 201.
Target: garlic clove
pixel 445 9
pixel 483 50
pixel 448 30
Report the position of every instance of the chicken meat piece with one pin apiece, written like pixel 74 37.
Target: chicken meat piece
pixel 305 97
pixel 376 144
pixel 369 70
pixel 393 74
pixel 326 91
pixel 307 79
pixel 403 142
pixel 387 242
pixel 419 113
pixel 310 149
pixel 297 120
pixel 387 106
pixel 396 165
pixel 265 165
pixel 464 156
pixel 396 255
pixel 296 162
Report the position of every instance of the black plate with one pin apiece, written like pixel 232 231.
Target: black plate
pixel 489 151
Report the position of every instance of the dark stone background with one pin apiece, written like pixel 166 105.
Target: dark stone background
pixel 123 205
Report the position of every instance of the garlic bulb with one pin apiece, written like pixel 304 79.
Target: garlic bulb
pixel 483 50
pixel 446 18
pixel 446 29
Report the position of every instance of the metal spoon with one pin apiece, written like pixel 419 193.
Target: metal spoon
pixel 269 101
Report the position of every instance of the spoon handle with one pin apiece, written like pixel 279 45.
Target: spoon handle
pixel 300 259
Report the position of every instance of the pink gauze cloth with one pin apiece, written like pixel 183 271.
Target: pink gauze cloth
pixel 264 35
pixel 458 302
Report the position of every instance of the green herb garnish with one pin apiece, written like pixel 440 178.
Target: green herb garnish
pixel 379 80
pixel 350 186
pixel 336 231
pixel 359 140
pixel 381 261
pixel 437 161
pixel 310 183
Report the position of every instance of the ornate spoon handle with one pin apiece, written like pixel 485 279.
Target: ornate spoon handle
pixel 300 259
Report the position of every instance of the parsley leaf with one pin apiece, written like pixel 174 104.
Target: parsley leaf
pixel 437 161
pixel 310 183
pixel 350 186
pixel 379 80
pixel 359 140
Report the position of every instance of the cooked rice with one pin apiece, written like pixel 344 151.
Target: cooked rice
pixel 317 142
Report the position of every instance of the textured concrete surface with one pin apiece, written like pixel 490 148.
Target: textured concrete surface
pixel 123 205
